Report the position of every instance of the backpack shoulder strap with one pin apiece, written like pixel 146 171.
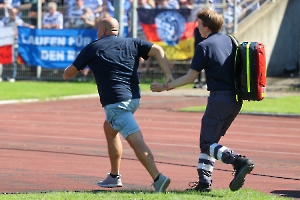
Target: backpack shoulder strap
pixel 236 45
pixel 234 40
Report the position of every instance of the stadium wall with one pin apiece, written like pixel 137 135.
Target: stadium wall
pixel 277 26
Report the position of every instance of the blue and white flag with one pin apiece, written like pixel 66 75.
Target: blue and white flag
pixel 52 48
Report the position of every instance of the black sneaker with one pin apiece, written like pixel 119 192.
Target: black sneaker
pixel 242 166
pixel 199 187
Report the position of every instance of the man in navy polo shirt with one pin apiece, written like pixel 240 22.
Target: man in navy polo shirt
pixel 114 62
pixel 216 56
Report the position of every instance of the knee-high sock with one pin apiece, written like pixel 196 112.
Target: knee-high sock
pixel 222 153
pixel 205 168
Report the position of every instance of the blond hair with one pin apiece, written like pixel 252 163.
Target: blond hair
pixel 52 5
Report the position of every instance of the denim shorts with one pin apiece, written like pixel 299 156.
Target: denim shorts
pixel 120 116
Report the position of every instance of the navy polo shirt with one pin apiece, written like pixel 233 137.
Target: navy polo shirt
pixel 216 55
pixel 114 62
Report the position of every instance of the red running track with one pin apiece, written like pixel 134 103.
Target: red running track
pixel 60 145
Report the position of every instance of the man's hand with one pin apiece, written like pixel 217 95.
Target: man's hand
pixel 168 79
pixel 157 87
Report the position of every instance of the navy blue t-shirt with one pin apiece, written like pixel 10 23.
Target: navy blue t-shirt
pixel 216 55
pixel 114 62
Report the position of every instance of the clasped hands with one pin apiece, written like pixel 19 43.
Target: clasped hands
pixel 159 87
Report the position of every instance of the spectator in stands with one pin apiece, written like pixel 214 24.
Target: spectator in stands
pixel 13 20
pixel 216 5
pixel 73 15
pixel 174 4
pixel 126 18
pixel 102 15
pixel 210 5
pixel 24 8
pixel 4 4
pixel 108 7
pixel 16 4
pixel 229 17
pixel 80 16
pixel 240 10
pixel 87 16
pixel 198 2
pixel 151 3
pixel 26 5
pixel 32 14
pixel 144 4
pixel 58 2
pixel 167 4
pixel 95 5
pixel 185 4
pixel 53 19
pixel 69 4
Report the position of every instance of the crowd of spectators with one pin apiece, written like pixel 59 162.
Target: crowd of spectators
pixel 60 14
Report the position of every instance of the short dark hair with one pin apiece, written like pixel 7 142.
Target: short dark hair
pixel 211 19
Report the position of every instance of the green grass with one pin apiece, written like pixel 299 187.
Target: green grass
pixel 55 90
pixel 244 194
pixel 45 90
pixel 282 105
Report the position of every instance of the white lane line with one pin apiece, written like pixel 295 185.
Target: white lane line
pixel 154 143
pixel 148 120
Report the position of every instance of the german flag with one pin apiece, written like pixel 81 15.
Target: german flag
pixel 20 60
pixel 172 29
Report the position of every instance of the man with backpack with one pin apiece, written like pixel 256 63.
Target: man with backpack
pixel 216 55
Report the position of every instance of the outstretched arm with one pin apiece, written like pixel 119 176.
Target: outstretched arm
pixel 158 53
pixel 184 80
pixel 70 72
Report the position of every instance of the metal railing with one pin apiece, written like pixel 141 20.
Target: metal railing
pixel 25 72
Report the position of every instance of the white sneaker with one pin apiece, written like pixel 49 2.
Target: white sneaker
pixel 111 182
pixel 161 184
pixel 1 79
pixel 12 80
